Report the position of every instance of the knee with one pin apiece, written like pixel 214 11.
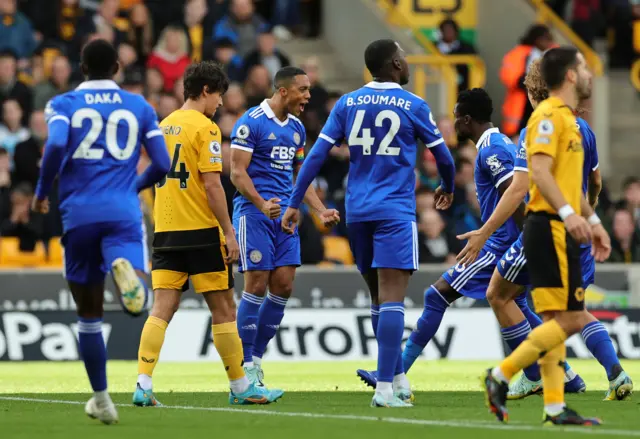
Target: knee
pixel 282 288
pixel 494 299
pixel 223 307
pixel 256 284
pixel 165 307
pixel 433 300
pixel 572 322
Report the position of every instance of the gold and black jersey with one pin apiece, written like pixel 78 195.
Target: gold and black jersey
pixel 183 218
pixel 552 130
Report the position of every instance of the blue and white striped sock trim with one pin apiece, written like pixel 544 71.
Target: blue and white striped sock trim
pixel 375 311
pixel 252 298
pixel 277 299
pixel 399 309
pixel 90 326
pixel 516 332
pixel 590 330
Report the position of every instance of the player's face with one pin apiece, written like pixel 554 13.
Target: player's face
pixel 584 76
pixel 403 65
pixel 461 124
pixel 298 94
pixel 213 102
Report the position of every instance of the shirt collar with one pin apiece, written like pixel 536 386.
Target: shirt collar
pixel 271 115
pixel 485 136
pixel 98 84
pixel 383 85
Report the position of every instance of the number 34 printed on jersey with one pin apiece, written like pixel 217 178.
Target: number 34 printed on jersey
pixel 366 140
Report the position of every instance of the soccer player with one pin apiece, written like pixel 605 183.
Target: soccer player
pixel 194 239
pixel 494 170
pixel 502 289
pixel 552 236
pixel 267 149
pixel 94 141
pixel 382 123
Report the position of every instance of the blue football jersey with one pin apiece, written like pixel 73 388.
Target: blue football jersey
pixel 495 163
pixel 381 122
pixel 277 148
pixel 105 127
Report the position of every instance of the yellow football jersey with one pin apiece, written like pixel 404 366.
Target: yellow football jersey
pixel 183 218
pixel 553 130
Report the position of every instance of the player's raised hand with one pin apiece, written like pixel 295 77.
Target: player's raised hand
pixel 330 218
pixel 40 206
pixel 475 241
pixel 442 199
pixel 601 248
pixel 290 220
pixel 233 249
pixel 578 227
pixel 271 208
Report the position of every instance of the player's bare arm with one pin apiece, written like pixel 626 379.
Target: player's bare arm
pixel 218 204
pixel 512 191
pixel 595 186
pixel 240 178
pixel 540 165
pixel 601 242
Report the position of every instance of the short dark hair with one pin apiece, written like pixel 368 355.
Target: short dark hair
pixel 204 74
pixel 556 63
pixel 533 33
pixel 449 22
pixel 630 181
pixel 285 75
pixel 23 188
pixel 475 103
pixel 378 54
pixel 224 43
pixel 100 59
pixel 3 151
pixel 8 53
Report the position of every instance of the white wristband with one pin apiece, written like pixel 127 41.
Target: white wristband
pixel 594 220
pixel 565 211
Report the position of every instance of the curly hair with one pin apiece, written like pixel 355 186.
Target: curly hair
pixel 534 83
pixel 204 74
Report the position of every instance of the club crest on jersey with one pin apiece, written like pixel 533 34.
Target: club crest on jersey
pixel 255 256
pixel 494 164
pixel 214 147
pixel 243 132
pixel 296 138
pixel 522 152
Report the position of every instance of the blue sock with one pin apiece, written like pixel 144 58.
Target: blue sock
pixel 427 326
pixel 248 322
pixel 534 321
pixel 390 329
pixel 93 352
pixel 513 336
pixel 375 316
pixel 271 314
pixel 599 343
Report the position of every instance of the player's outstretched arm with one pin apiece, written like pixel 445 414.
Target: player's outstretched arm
pixel 240 178
pixel 160 162
pixel 218 204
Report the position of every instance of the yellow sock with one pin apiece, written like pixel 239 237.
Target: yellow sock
pixel 541 340
pixel 229 346
pixel 552 371
pixel 150 344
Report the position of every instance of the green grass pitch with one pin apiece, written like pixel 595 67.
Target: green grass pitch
pixel 322 400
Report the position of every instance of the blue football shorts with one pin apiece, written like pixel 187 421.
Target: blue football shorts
pixel 513 264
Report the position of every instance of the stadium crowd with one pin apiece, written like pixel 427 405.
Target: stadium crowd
pixel 40 42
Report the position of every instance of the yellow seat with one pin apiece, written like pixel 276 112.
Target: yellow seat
pixel 55 253
pixel 10 254
pixel 336 249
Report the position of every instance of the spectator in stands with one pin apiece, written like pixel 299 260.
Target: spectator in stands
pixel 226 121
pixel 285 17
pixel 105 22
pixel 16 32
pixel 319 94
pixel 430 178
pixel 257 86
pixel 11 87
pixel 450 43
pixel 266 54
pixel 178 90
pixel 22 223
pixel 631 199
pixel 129 63
pixel 28 154
pixel 170 55
pixel 11 130
pixel 57 84
pixel 625 239
pixel 242 26
pixel 140 34
pixel 234 100
pixel 195 12
pixel 167 104
pixel 465 211
pixel 133 82
pixel 436 244
pixel 516 108
pixel 154 83
pixel 224 52
pixel 5 184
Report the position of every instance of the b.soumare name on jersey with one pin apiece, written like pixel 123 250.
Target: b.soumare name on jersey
pixel 378 99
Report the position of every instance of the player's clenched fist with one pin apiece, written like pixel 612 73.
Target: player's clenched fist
pixel 40 206
pixel 271 208
pixel 578 227
pixel 330 217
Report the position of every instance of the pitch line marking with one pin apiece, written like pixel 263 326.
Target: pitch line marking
pixel 425 422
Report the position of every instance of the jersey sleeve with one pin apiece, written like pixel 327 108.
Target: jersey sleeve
pixel 58 117
pixel 245 134
pixel 149 128
pixel 426 128
pixel 498 162
pixel 590 141
pixel 520 163
pixel 333 130
pixel 299 157
pixel 209 147
pixel 543 133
